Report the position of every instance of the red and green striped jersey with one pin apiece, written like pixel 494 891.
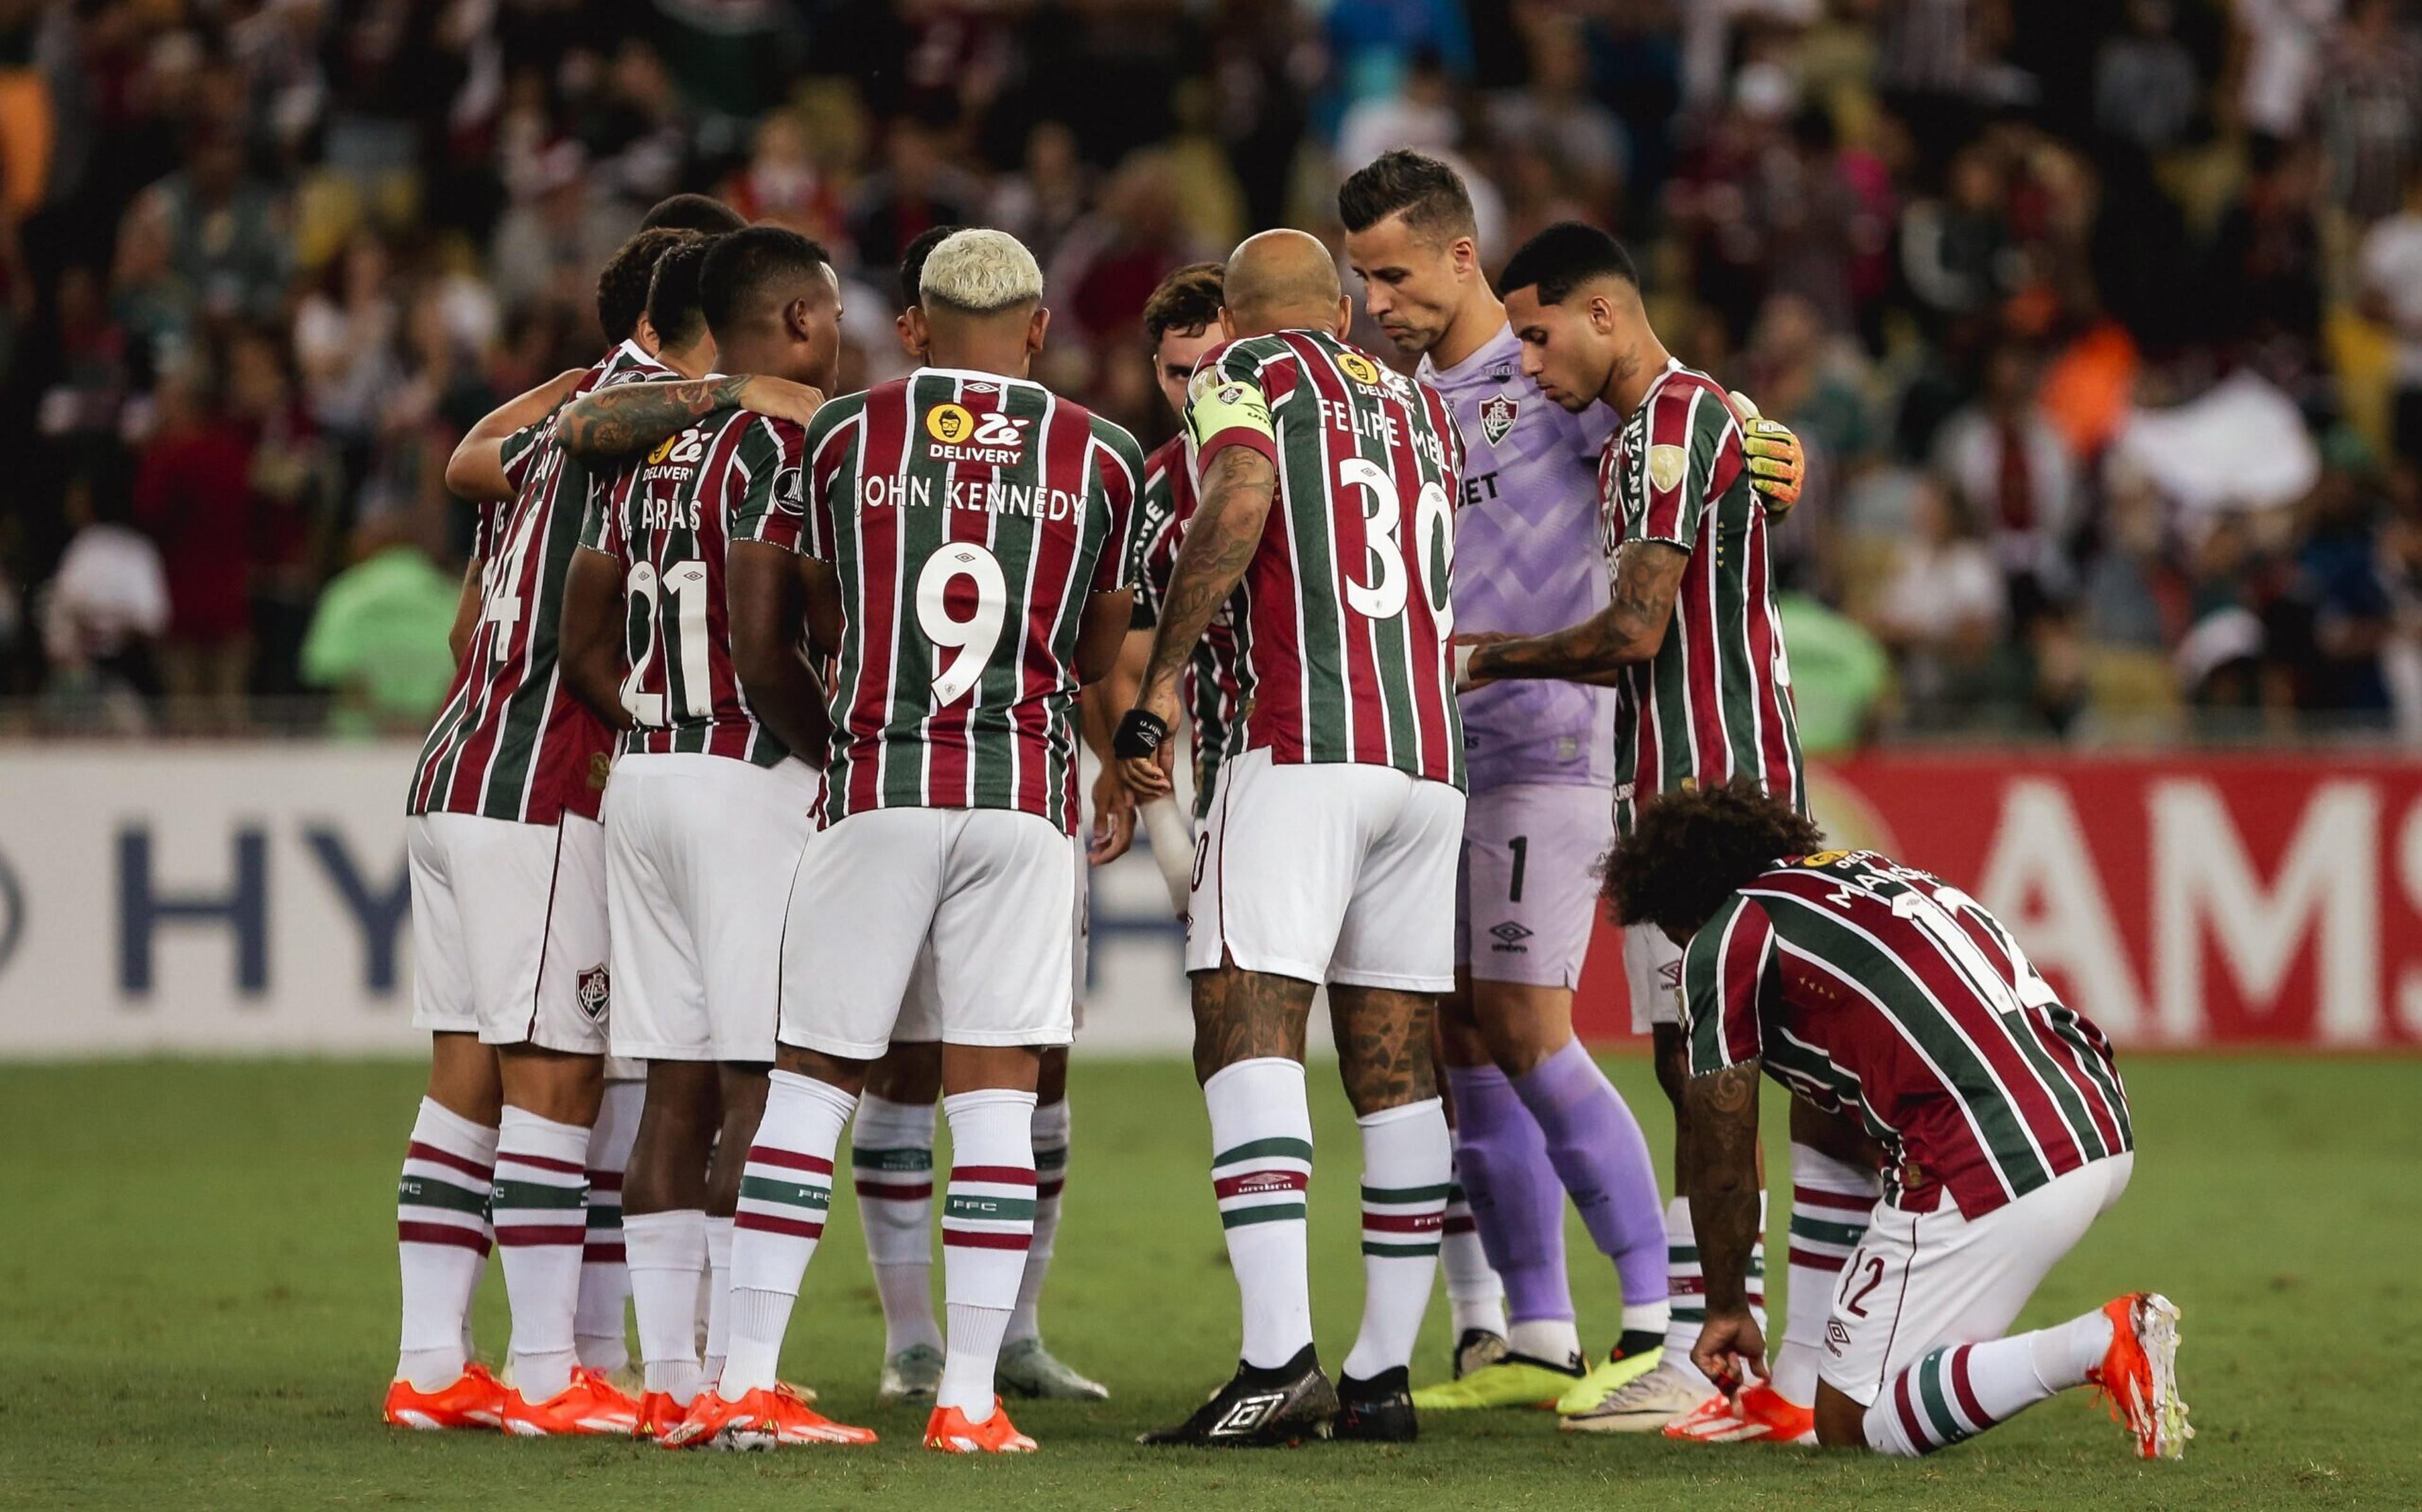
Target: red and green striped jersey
pixel 510 742
pixel 1342 642
pixel 968 517
pixel 1210 692
pixel 669 521
pixel 1879 990
pixel 1714 703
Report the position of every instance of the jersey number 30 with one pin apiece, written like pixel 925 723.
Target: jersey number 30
pixel 1384 596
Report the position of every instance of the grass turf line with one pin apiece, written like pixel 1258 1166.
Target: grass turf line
pixel 198 1293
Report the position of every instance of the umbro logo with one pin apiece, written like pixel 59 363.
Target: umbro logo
pixel 1509 937
pixel 1249 1413
pixel 1670 973
pixel 1837 1338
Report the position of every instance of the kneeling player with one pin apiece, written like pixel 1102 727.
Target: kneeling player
pixel 1875 990
pixel 949 808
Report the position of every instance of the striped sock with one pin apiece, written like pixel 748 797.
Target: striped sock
pixel 1407 1157
pixel 1261 1165
pixel 1688 1286
pixel 891 1156
pixel 605 1275
pixel 1830 1201
pixel 785 1195
pixel 987 1227
pixel 1050 1180
pixel 1476 1299
pixel 668 1250
pixel 541 1190
pixel 441 1240
pixel 1957 1393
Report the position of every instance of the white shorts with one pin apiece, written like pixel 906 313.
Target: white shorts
pixel 1526 895
pixel 921 1007
pixel 1652 972
pixel 509 930
pixel 1920 1281
pixel 699 852
pixel 994 891
pixel 1328 872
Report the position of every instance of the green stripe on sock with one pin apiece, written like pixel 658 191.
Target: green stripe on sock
pixel 1404 1195
pixel 1003 1209
pixel 606 1218
pixel 789 1194
pixel 1455 1192
pixel 1681 1255
pixel 1937 1409
pixel 1825 1233
pixel 911 1159
pixel 1267 1213
pixel 427 1192
pixel 1401 1251
pixel 1051 1157
pixel 1690 1315
pixel 524 1194
pixel 1260 1149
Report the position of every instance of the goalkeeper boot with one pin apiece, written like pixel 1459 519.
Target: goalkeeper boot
pixel 913 1375
pixel 1378 1410
pixel 1027 1370
pixel 947 1431
pixel 474 1400
pixel 1261 1408
pixel 2139 1374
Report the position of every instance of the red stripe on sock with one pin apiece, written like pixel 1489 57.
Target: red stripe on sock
pixel 1810 1260
pixel 788 1159
pixel 1907 1411
pixel 1688 1286
pixel 1045 1190
pixel 883 1193
pixel 1459 1225
pixel 1402 1223
pixel 768 1223
pixel 418 1151
pixel 466 1238
pixel 1259 1183
pixel 534 1235
pixel 605 1181
pixel 602 1254
pixel 979 1239
pixel 543 1162
pixel 1965 1392
pixel 1843 1201
pixel 1003 1175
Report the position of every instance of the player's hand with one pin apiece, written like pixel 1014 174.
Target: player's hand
pixel 778 399
pixel 1461 649
pixel 1730 1349
pixel 1777 466
pixel 1114 816
pixel 1148 776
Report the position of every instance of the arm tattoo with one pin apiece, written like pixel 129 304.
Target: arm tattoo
pixel 1723 1110
pixel 1630 628
pixel 629 418
pixel 1221 541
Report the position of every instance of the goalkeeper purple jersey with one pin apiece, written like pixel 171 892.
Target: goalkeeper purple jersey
pixel 1527 561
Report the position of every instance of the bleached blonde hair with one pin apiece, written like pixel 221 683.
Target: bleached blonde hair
pixel 980 272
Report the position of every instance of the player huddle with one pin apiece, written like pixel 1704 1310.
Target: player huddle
pixel 1441 639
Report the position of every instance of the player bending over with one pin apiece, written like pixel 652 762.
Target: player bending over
pixel 1877 990
pixel 710 797
pixel 891 1139
pixel 1690 643
pixel 968 536
pixel 1326 484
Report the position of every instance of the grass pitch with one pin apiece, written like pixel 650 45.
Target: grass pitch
pixel 198 1293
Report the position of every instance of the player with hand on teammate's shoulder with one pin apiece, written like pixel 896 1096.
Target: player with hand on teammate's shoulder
pixel 1875 990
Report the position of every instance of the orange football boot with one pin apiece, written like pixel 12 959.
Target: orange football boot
pixel 590 1405
pixel 474 1400
pixel 763 1419
pixel 950 1431
pixel 2139 1374
pixel 659 1414
pixel 1757 1414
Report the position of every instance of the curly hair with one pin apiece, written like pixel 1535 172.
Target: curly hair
pixel 1690 850
pixel 1187 301
pixel 622 287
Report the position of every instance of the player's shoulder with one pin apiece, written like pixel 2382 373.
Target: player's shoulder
pixel 1253 358
pixel 1693 404
pixel 1119 442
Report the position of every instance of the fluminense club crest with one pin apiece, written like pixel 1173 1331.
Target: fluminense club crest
pixel 593 994
pixel 1497 418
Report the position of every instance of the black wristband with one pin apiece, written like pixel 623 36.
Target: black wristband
pixel 1139 734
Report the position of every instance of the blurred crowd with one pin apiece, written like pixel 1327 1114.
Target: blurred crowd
pixel 2101 319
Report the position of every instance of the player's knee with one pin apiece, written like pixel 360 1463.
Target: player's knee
pixel 1522 1024
pixel 463 1078
pixel 1841 1423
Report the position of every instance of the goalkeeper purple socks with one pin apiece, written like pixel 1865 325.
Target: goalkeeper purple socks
pixel 1516 1200
pixel 1602 1159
